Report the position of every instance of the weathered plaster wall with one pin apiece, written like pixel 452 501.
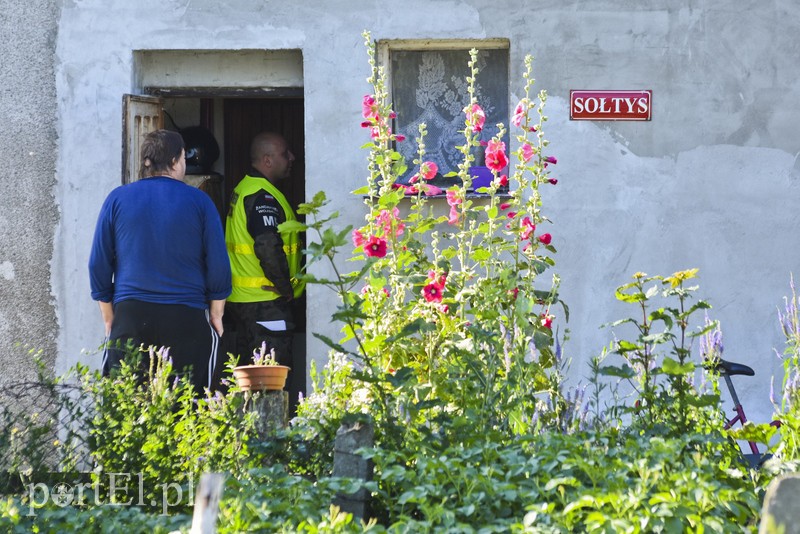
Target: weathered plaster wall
pixel 711 182
pixel 28 211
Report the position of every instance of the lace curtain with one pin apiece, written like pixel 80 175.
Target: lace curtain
pixel 430 87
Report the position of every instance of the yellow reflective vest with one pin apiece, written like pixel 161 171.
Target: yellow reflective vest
pixel 248 276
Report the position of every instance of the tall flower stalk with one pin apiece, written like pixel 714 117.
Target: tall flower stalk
pixel 446 314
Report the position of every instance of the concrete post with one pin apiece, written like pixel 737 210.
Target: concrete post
pixel 346 463
pixel 780 513
pixel 271 407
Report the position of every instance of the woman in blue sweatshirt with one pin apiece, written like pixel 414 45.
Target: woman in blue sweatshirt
pixel 159 266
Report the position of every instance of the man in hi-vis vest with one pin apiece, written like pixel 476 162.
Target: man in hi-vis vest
pixel 264 262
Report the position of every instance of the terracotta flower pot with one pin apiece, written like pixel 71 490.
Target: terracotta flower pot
pixel 261 377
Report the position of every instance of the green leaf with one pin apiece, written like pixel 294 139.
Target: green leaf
pixel 292 226
pixel 625 371
pixel 674 368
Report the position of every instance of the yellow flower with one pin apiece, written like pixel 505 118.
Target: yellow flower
pixel 677 278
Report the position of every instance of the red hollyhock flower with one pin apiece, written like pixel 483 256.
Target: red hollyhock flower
pixel 366 124
pixel 553 181
pixel 496 158
pixel 551 159
pixel 501 180
pixel 432 292
pixel 375 247
pixel 505 206
pixel 545 238
pixel 547 320
pixel 400 137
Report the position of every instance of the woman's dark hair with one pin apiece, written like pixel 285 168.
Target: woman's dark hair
pixel 160 150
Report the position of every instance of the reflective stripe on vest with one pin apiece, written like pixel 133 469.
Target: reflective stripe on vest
pixel 248 277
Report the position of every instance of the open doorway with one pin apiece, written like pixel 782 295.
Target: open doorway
pixel 233 118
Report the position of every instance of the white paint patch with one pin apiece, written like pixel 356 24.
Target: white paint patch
pixel 7 270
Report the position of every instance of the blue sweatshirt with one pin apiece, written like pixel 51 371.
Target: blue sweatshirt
pixel 159 240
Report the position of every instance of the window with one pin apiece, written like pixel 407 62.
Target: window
pixel 427 84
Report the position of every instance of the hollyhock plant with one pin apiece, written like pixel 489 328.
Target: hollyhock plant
pixel 451 318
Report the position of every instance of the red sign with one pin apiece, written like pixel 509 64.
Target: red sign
pixel 610 105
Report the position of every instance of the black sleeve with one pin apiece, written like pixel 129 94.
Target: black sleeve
pixel 264 214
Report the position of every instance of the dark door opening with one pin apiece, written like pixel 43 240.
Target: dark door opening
pixel 244 118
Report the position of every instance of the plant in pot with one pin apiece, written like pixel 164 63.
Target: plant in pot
pixel 264 374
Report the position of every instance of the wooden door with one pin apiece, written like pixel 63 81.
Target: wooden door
pixel 140 116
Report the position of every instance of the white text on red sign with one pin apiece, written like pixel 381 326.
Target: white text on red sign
pixel 610 105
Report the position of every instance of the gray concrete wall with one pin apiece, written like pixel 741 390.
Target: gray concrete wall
pixel 711 182
pixel 28 209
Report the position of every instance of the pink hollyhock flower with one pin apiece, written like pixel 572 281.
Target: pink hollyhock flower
pixel 551 159
pixel 545 239
pixel 358 238
pixel 374 132
pixel 514 292
pixel 400 137
pixel 385 219
pixel 501 181
pixel 532 129
pixel 553 181
pixel 369 107
pixel 375 247
pixel 430 190
pixel 505 206
pixel 385 292
pixel 527 228
pixel 392 115
pixel 444 308
pixel 527 152
pixel 453 198
pixel 547 320
pixel 511 214
pixel 519 113
pixel 366 124
pixel 475 117
pixel 453 215
pixel 428 170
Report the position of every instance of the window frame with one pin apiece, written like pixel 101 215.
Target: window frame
pixel 385 48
